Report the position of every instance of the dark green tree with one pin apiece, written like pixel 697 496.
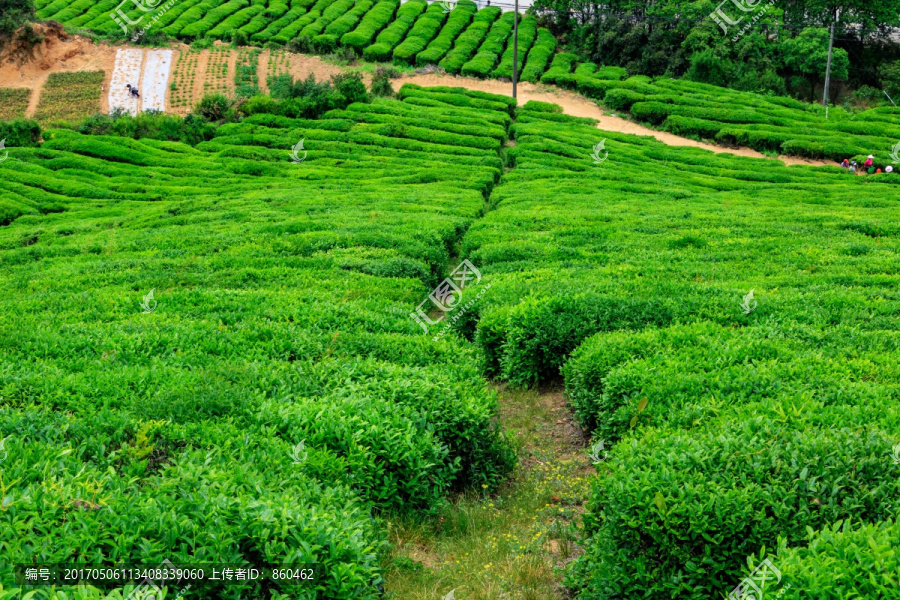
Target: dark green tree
pixel 13 13
pixel 807 55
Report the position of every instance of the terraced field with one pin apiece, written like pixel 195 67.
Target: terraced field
pixel 726 326
pixel 413 33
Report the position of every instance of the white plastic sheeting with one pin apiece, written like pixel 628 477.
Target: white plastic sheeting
pixel 127 70
pixel 156 77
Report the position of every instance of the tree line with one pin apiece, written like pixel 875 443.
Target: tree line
pixel 777 46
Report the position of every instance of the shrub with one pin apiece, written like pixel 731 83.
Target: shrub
pixel 424 30
pixel 561 65
pixel 590 87
pixel 468 41
pixel 392 35
pixel 375 20
pixel 351 87
pixel 381 82
pixel 613 73
pixel 843 559
pixel 708 498
pixel 20 133
pixel 544 107
pixel 539 56
pixel 490 50
pixel 191 129
pixel 586 69
pixel 622 98
pixel 238 38
pixel 215 108
pixel 527 32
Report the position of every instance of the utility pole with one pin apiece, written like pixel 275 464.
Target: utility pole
pixel 515 48
pixel 828 71
pixel 889 98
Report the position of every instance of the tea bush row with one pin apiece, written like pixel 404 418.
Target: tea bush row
pixel 470 39
pixel 730 117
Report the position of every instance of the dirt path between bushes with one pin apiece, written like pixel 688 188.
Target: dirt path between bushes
pixel 579 106
pixel 515 543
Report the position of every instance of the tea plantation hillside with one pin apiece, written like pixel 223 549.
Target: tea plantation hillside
pixel 209 356
pixel 730 324
pixel 273 396
pixel 774 124
pixel 461 39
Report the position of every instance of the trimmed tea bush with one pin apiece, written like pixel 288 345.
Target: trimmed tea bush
pixel 424 30
pixel 469 40
pixel 393 34
pixel 539 56
pixel 457 20
pixel 380 15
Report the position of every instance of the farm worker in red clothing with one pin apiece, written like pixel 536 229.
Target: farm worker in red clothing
pixel 868 164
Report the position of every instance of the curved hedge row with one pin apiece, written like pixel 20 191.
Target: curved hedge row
pixel 561 66
pixel 235 21
pixel 527 32
pixel 374 21
pixel 394 33
pixel 328 40
pixel 733 423
pixel 423 31
pixel 210 18
pixel 273 12
pixel 730 117
pixel 458 19
pixel 490 50
pixel 469 40
pixel 539 56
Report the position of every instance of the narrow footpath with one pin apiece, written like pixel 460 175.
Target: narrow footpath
pixel 512 545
